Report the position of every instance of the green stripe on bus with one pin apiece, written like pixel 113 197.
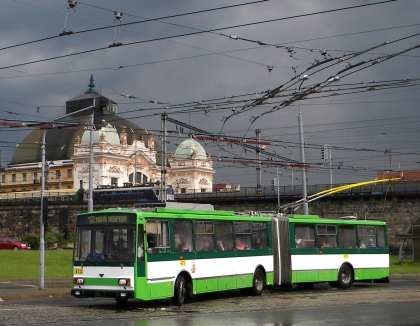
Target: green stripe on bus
pixel 111 264
pixel 194 211
pixel 161 290
pixel 314 276
pixel 102 281
pixel 370 273
pixel 325 275
pixel 207 255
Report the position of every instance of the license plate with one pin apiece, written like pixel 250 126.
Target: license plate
pixel 78 271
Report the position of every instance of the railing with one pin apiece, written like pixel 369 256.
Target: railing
pixel 400 187
pixel 63 194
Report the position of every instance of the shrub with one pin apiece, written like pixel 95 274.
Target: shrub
pixel 32 240
pixel 52 236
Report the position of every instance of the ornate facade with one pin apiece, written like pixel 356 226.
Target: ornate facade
pixel 122 150
pixel 191 168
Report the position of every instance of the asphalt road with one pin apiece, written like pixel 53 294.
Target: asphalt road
pixel 364 304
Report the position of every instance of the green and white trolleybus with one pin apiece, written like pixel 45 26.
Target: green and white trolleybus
pixel 156 253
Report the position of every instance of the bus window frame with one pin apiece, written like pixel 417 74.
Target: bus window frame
pixel 157 249
pixel 327 235
pixel 203 235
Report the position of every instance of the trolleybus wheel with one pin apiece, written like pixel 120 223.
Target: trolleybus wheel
pixel 345 276
pixel 180 291
pixel 258 282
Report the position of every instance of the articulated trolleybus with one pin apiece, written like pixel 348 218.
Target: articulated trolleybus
pixel 156 253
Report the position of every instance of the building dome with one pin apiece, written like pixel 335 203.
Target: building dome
pixel 190 148
pixel 111 136
pixel 60 142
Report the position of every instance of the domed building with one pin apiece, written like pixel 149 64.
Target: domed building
pixel 121 151
pixel 191 168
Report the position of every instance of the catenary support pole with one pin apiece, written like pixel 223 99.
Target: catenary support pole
pixel 302 159
pixel 91 129
pixel 41 228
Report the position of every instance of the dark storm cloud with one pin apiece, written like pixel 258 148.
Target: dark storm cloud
pixel 151 72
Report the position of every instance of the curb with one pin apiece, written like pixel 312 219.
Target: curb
pixel 57 295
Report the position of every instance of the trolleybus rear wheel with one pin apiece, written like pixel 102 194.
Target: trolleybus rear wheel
pixel 180 291
pixel 345 276
pixel 258 282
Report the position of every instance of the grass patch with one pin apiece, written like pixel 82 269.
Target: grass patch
pixel 405 267
pixel 25 264
pixel 58 264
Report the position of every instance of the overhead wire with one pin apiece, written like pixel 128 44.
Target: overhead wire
pixel 191 33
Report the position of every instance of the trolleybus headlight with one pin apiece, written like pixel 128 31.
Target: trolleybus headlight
pixel 79 281
pixel 124 281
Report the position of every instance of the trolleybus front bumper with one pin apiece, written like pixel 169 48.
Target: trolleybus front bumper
pixel 80 293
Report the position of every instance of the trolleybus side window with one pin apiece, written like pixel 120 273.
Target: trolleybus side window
pixel 182 236
pixel 259 236
pixel 157 232
pixel 326 236
pixel 204 236
pixel 224 236
pixel 242 235
pixel 380 230
pixel 304 236
pixel 367 234
pixel 347 236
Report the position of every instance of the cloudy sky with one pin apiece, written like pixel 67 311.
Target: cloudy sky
pixel 210 65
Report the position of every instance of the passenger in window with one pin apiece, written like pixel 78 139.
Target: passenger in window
pixel 239 245
pixel 220 246
pixel 177 243
pixel 140 252
pixel 258 244
pixel 371 244
pixel 184 246
pixel 298 242
pixel 120 244
pixel 322 244
pixel 327 244
pixel 362 244
pixel 206 246
pixel 347 245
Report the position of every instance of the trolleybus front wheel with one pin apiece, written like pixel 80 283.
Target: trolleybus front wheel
pixel 258 282
pixel 180 291
pixel 345 276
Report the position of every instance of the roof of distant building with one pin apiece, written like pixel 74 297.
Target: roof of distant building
pixel 190 148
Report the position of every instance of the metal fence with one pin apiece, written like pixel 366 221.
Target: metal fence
pixel 399 187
